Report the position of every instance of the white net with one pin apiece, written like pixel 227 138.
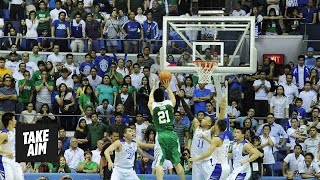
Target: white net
pixel 205 70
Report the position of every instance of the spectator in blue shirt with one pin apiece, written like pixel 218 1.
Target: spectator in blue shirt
pixel 44 41
pixel 309 12
pixel 86 66
pixel 143 166
pixel 65 140
pixel 200 97
pixel 78 30
pixel 131 32
pixel 61 29
pixel 102 63
pixel 310 59
pixel 278 132
pixel 151 32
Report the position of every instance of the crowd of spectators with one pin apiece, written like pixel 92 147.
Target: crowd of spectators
pixel 128 26
pixel 96 99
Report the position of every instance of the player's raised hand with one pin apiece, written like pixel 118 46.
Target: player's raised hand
pixel 166 83
pixel 110 166
pixel 154 84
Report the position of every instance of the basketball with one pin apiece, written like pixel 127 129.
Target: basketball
pixel 165 75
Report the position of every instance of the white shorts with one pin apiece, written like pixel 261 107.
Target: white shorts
pixel 205 170
pixel 123 174
pixel 12 169
pixel 240 173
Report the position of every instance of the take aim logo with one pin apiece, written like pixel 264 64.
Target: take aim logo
pixel 36 142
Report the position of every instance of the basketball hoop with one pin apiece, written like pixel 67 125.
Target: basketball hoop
pixel 205 70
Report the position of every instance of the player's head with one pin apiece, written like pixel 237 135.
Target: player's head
pixel 239 133
pixel 158 95
pixel 221 126
pixel 128 133
pixel 8 119
pixel 206 122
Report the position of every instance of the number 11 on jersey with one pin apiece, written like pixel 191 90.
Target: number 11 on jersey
pixel 200 143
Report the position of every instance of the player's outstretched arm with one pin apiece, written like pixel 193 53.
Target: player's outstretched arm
pixel 111 148
pixel 215 142
pixel 223 107
pixel 166 84
pixel 144 154
pixel 3 138
pixel 151 98
pixel 144 145
pixel 253 153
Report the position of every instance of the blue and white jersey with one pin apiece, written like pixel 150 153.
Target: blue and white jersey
pixel 126 156
pixel 220 155
pixel 238 155
pixel 2 173
pixel 199 145
pixel 11 144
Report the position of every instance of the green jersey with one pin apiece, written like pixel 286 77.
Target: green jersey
pixel 40 16
pixel 163 115
pixel 25 94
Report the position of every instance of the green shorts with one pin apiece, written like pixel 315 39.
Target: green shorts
pixel 167 147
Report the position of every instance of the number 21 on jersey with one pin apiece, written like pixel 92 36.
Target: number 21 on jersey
pixel 163 117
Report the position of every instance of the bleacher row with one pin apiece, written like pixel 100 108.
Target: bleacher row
pixel 54 176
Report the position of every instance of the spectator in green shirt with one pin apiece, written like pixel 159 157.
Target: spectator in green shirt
pixel 26 90
pixel 35 56
pixel 62 166
pixel 208 54
pixel 88 98
pixel 36 76
pixel 96 131
pixel 43 16
pixel 87 166
pixel 116 78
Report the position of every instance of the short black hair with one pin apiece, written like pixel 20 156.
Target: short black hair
pixel 117 114
pixel 94 113
pixel 158 95
pixel 6 117
pixel 267 125
pixel 69 54
pixel 270 114
pixel 243 131
pixel 105 100
pixel 298 145
pixel 307 82
pixel 299 99
pixel 135 64
pixel 62 12
pixel 139 113
pixel 146 67
pixel 309 154
pixel 302 57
